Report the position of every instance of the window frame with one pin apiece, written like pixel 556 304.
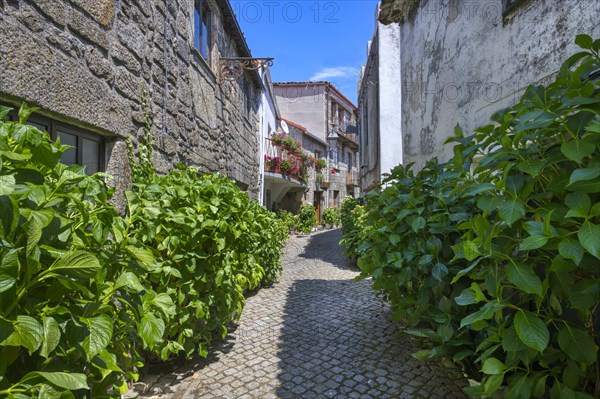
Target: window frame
pixel 54 126
pixel 203 18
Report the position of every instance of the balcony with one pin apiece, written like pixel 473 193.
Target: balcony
pixel 352 178
pixel 283 165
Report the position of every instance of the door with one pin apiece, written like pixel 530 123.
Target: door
pixel 317 205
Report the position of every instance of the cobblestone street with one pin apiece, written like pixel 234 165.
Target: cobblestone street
pixel 314 334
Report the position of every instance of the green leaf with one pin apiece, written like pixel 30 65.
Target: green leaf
pixel 6 282
pixel 518 388
pixel 27 332
pixel 4 111
pixel 531 330
pixel 533 242
pixel 165 303
pixel 70 381
pixel 99 333
pixel 589 237
pixel 479 188
pixel 439 271
pixel 493 366
pixel 511 210
pixel 577 344
pixel 576 150
pixel 418 223
pixel 585 174
pixel 151 329
pixel 51 336
pixel 571 249
pixel 524 278
pixel 130 281
pixel 511 342
pixel 7 184
pixel 394 239
pixel 492 383
pixel 485 313
pixel 466 250
pixel 465 298
pixel 579 204
pixel 142 254
pixel 36 222
pixel 77 264
pixel 584 41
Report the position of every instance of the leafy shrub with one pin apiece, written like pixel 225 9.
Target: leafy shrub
pixel 331 216
pixel 215 244
pixel 492 259
pixel 286 221
pixel 353 232
pixel 83 291
pixel 71 300
pixel 307 219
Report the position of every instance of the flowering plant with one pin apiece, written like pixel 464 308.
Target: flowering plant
pixel 333 171
pixel 286 166
pixel 285 141
pixel 272 161
pixel 320 164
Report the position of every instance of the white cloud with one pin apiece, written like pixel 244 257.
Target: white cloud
pixel 336 72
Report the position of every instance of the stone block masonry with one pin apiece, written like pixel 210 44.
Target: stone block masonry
pixel 85 62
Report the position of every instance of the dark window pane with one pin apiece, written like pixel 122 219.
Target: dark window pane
pixel 69 157
pixel 91 156
pixel 41 127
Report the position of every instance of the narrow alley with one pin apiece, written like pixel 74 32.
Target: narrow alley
pixel 315 334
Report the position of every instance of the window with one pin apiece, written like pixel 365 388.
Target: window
pixel 334 157
pixel 317 154
pixel 336 199
pixel 202 28
pixel 88 148
pixel 350 161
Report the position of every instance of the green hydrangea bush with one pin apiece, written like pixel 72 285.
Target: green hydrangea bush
pixel 492 259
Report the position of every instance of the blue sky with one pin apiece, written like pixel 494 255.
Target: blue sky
pixel 309 39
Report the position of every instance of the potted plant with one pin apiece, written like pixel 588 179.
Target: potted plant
pixel 320 164
pixel 286 167
pixel 272 164
pixel 329 217
pixel 306 219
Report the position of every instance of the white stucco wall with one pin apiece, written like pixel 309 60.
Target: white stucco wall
pixel 303 105
pixel 268 124
pixel 461 62
pixel 390 98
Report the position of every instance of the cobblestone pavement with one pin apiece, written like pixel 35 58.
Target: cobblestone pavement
pixel 314 334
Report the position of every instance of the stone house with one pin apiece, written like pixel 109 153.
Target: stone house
pixel 452 62
pixel 331 118
pixel 86 63
pixel 287 193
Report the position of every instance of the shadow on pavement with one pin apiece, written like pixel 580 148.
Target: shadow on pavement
pixel 324 245
pixel 338 341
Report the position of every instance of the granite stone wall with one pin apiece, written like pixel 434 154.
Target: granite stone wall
pixel 86 62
